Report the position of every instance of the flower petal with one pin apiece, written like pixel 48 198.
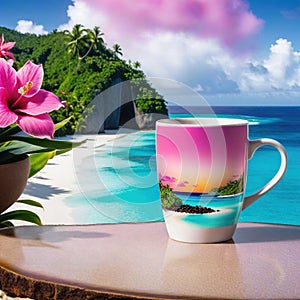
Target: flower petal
pixel 40 126
pixel 40 103
pixel 7 54
pixel 8 76
pixel 7 46
pixel 11 61
pixel 7 117
pixel 31 72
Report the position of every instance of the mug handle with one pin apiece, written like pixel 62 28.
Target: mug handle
pixel 253 146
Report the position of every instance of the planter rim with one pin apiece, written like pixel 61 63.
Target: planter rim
pixel 16 160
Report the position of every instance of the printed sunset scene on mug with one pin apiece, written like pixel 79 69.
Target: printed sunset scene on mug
pixel 190 162
pixel 201 173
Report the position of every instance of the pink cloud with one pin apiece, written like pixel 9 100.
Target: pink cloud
pixel 183 184
pixel 167 179
pixel 230 21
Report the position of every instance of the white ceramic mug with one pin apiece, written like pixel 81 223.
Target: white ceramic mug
pixel 202 169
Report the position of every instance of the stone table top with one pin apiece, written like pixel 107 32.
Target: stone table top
pixel 138 260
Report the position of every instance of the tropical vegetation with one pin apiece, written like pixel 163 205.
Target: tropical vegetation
pixel 168 199
pixel 78 65
pixel 15 147
pixel 6 218
pixel 24 108
pixel 231 188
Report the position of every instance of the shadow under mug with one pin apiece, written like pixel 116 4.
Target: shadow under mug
pixel 202 169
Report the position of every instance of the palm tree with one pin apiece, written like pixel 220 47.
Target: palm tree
pixel 76 39
pixel 81 41
pixel 137 65
pixel 95 38
pixel 96 35
pixel 117 49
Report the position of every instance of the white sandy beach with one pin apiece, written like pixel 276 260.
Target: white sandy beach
pixel 59 180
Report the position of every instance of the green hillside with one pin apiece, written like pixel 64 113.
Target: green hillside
pixel 77 66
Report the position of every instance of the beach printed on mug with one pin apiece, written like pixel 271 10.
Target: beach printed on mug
pixel 202 167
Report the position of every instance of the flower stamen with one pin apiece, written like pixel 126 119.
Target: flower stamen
pixel 23 90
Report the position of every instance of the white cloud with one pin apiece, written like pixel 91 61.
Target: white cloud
pixel 279 71
pixel 81 13
pixel 183 58
pixel 283 65
pixel 26 26
pixel 202 64
pixel 164 54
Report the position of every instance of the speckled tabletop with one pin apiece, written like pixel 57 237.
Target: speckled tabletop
pixel 140 261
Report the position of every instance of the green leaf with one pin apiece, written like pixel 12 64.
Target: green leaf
pixel 45 143
pixel 18 148
pixel 22 215
pixel 59 152
pixel 3 145
pixel 27 145
pixel 30 202
pixel 6 224
pixel 13 129
pixel 38 161
pixel 61 124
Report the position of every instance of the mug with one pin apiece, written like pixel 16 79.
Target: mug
pixel 202 170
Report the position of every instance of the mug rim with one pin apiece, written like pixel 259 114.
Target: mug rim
pixel 201 122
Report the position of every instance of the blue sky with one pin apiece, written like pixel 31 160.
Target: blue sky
pixel 281 20
pixel 281 17
pixel 49 13
pixel 254 59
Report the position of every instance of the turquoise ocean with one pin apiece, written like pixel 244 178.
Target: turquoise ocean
pixel 127 169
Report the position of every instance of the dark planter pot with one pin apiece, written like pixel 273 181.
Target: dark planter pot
pixel 13 179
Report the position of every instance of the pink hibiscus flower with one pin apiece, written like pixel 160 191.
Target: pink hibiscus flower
pixel 4 47
pixel 23 101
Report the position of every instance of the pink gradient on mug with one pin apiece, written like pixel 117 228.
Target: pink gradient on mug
pixel 200 159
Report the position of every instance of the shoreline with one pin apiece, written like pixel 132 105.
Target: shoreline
pixel 58 180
